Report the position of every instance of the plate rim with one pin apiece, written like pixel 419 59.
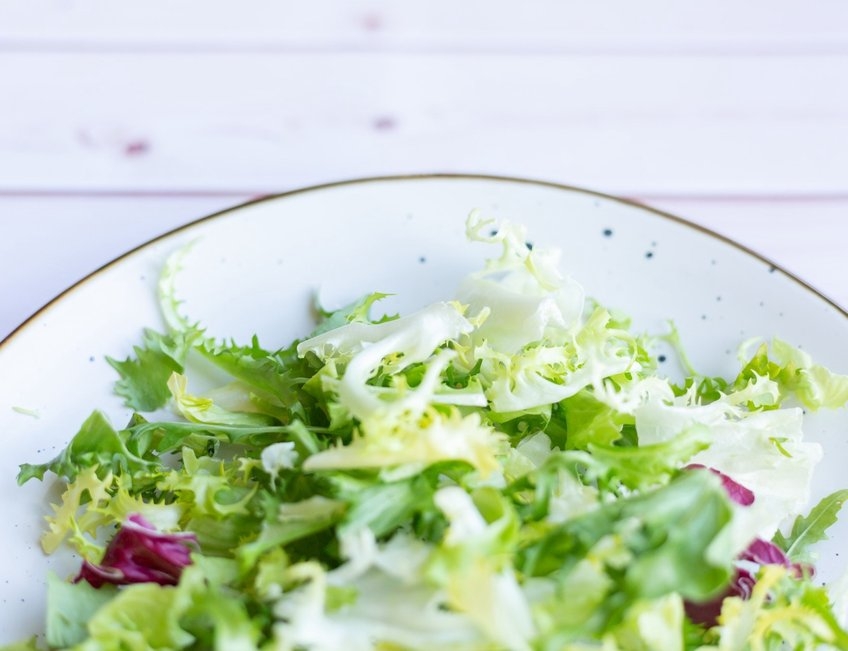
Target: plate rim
pixel 32 318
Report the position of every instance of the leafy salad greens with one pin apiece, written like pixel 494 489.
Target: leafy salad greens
pixel 504 471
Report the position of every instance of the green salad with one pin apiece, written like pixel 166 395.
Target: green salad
pixel 507 470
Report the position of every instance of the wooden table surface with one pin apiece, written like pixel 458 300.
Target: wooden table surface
pixel 119 122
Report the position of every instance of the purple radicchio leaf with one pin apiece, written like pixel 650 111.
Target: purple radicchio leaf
pixel 764 552
pixel 735 491
pixel 707 612
pixel 138 553
pixel 758 552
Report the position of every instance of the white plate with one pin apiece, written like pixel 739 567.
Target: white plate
pixel 255 268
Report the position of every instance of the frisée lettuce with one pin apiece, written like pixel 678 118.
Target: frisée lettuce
pixel 505 470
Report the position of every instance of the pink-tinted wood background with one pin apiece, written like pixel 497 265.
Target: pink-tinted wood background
pixel 119 122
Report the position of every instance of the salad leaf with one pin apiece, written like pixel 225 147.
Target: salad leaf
pixel 31 644
pixel 590 421
pixel 69 608
pixel 96 443
pixel 143 615
pixel 470 564
pixel 139 553
pixel 503 469
pixel 811 528
pixel 797 375
pixel 355 312
pixel 526 297
pixel 143 383
pixel 292 521
pixel 645 465
pixel 780 611
pixel 673 536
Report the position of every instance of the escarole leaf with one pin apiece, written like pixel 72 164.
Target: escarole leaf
pixel 140 449
pixel 645 465
pixel 96 444
pixel 70 606
pixel 202 409
pixel 590 421
pixel 144 379
pixel 675 536
pixel 355 312
pixel 780 610
pixel 797 375
pixel 145 610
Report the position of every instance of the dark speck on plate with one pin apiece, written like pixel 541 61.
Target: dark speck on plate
pixel 703 317
pixel 529 245
pixel 493 232
pixel 91 358
pixel 661 359
pixel 772 269
pixel 607 232
pixel 649 255
pixel 422 259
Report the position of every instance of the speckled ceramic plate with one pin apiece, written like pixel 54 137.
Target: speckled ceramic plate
pixel 255 269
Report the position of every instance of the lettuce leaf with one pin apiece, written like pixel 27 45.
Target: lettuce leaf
pixel 811 528
pixel 797 375
pixel 70 606
pixel 143 379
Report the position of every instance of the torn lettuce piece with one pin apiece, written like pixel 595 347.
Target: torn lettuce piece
pixel 143 379
pixel 413 443
pixel 780 610
pixel 385 602
pixel 675 538
pixel 70 606
pixel 797 375
pixel 763 451
pixel 473 564
pixel 390 347
pixel 201 409
pixel 542 374
pixel 356 312
pixel 525 295
pixel 96 444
